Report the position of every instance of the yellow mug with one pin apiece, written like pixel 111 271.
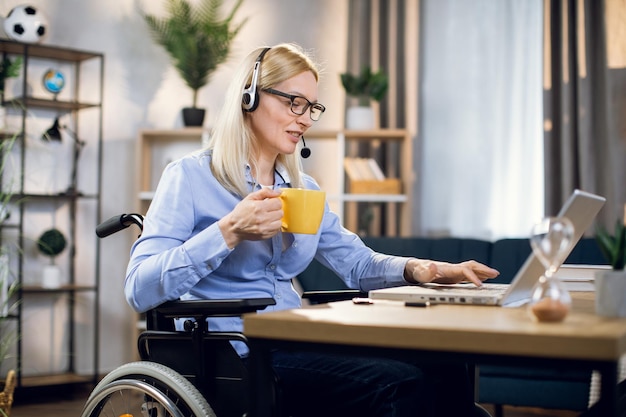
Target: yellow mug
pixel 302 210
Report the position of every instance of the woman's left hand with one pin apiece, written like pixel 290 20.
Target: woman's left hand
pixel 421 271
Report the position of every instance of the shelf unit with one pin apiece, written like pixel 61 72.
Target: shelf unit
pixel 75 210
pixel 396 220
pixel 155 149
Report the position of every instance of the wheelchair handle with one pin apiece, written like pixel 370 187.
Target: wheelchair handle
pixel 117 223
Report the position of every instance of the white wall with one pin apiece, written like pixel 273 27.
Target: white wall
pixel 143 91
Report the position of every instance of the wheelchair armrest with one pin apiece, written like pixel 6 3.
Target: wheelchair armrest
pixel 213 308
pixel 320 297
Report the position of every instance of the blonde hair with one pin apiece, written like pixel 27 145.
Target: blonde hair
pixel 232 141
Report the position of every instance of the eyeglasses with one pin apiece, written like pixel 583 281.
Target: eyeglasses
pixel 299 104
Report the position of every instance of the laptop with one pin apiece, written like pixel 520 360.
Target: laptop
pixel 581 208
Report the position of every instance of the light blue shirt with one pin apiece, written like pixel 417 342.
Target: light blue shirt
pixel 182 253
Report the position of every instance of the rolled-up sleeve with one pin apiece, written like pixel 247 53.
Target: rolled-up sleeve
pixel 343 252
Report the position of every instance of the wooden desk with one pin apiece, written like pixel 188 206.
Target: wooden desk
pixel 476 334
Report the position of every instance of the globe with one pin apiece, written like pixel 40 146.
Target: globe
pixel 53 81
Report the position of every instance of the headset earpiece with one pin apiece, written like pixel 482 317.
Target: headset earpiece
pixel 250 97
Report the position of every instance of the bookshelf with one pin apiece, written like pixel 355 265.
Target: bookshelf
pixel 57 331
pixel 155 149
pixel 390 197
pixel 393 192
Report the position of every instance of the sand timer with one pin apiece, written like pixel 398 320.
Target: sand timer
pixel 551 240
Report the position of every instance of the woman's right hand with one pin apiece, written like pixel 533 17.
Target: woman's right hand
pixel 258 216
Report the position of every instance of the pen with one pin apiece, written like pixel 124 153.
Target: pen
pixel 368 301
pixel 417 304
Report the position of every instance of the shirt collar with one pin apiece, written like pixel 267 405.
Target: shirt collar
pixel 281 176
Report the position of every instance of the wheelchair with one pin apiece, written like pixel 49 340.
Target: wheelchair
pixel 190 373
pixel 195 372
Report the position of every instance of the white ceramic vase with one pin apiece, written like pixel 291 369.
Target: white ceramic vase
pixel 611 293
pixel 51 276
pixel 5 274
pixel 3 118
pixel 360 118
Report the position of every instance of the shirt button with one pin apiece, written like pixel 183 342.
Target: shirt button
pixel 272 267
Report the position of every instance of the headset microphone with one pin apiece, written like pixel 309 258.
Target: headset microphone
pixel 305 152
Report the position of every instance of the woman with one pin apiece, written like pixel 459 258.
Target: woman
pixel 213 231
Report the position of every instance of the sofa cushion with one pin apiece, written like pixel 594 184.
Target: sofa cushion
pixel 508 256
pixel 534 388
pixel 317 277
pixel 587 252
pixel 439 249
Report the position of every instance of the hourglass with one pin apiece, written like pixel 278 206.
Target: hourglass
pixel 551 240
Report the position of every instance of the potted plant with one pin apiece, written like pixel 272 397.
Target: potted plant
pixel 611 284
pixel 7 184
pixel 51 243
pixel 198 40
pixel 8 69
pixel 365 87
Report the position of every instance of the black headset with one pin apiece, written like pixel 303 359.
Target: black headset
pixel 250 97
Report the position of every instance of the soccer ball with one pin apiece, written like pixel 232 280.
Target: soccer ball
pixel 25 24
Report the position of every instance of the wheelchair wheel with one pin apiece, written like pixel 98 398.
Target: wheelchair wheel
pixel 146 389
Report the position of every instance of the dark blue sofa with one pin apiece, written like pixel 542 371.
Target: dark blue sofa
pixel 498 385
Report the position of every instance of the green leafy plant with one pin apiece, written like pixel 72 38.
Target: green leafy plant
pixel 366 86
pixel 51 243
pixel 6 195
pixel 9 69
pixel 613 246
pixel 197 38
pixel 8 304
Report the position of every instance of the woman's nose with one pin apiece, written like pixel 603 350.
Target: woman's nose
pixel 305 119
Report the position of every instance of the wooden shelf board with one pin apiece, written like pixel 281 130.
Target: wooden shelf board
pixel 146 195
pixel 62 288
pixel 173 135
pixel 56 379
pixel 387 134
pixel 8 134
pixel 380 198
pixel 24 198
pixel 44 103
pixel 46 51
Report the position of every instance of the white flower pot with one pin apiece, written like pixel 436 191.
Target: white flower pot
pixel 611 293
pixel 51 276
pixel 3 118
pixel 360 118
pixel 5 274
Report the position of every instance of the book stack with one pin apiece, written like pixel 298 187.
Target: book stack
pixel 366 177
pixel 579 277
